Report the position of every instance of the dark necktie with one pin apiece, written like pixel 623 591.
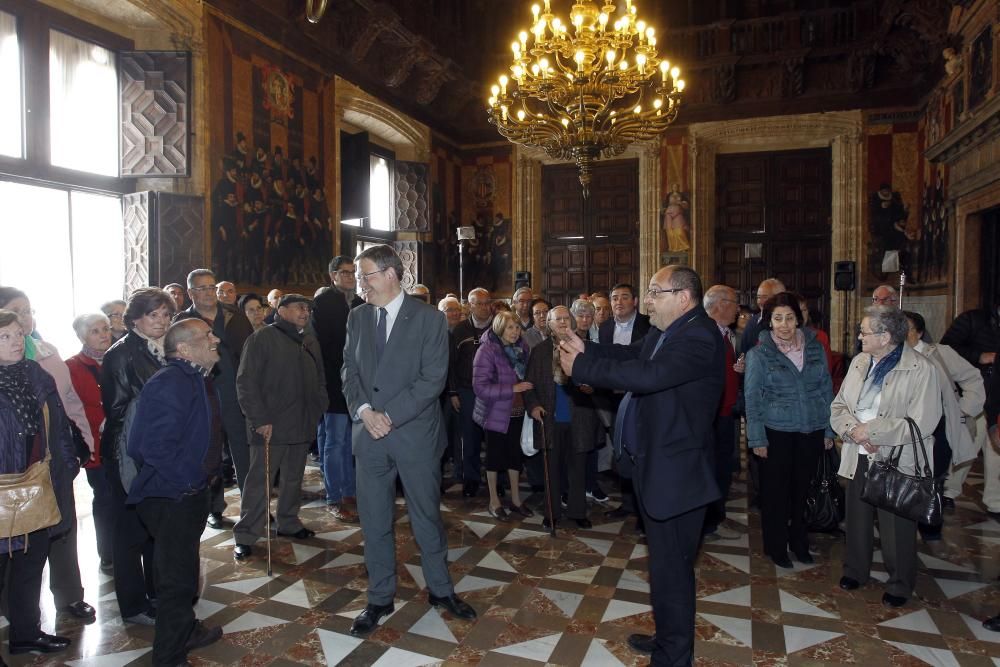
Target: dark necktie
pixel 625 431
pixel 380 330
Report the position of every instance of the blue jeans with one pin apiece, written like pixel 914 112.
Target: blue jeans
pixel 336 458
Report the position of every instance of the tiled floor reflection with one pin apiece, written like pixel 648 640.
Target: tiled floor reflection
pixel 571 600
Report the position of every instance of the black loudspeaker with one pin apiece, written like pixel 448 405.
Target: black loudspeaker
pixel 522 279
pixel 843 276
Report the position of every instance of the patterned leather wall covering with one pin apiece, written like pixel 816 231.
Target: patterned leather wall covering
pixel 411 197
pixel 155 109
pixel 164 238
pixel 136 214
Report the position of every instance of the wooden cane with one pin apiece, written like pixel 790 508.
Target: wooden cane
pixel 548 487
pixel 902 285
pixel 267 505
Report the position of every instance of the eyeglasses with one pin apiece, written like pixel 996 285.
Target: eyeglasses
pixel 884 300
pixel 24 312
pixel 364 276
pixel 345 273
pixel 203 288
pixel 871 333
pixel 116 316
pixel 654 292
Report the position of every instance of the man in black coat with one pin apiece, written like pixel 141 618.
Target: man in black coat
pixel 674 378
pixel 232 328
pixel 975 334
pixel 626 326
pixel 329 320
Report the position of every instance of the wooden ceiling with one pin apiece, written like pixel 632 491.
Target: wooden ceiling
pixel 435 59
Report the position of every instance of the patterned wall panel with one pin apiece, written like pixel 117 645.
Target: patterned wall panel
pixel 411 197
pixel 409 252
pixel 177 233
pixel 155 108
pixel 136 217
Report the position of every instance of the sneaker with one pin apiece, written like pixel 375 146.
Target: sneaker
pixel 598 496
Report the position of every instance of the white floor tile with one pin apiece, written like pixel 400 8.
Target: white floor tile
pixel 735 596
pixel 793 605
pixel 535 649
pixel 294 595
pixel 470 583
pixel 495 561
pixel 631 581
pixel 584 576
pixel 739 561
pixel 600 546
pixel 953 588
pixel 918 621
pixel 479 528
pixel 567 602
pixel 251 621
pixel 936 657
pixel 417 572
pixel 797 638
pixel 739 629
pixel 432 625
pixel 245 586
pixel 621 608
pixel 343 560
pixel 599 656
pixel 111 659
pixel 336 646
pixel 981 633
pixel 337 535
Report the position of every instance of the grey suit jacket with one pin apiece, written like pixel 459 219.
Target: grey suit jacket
pixel 408 381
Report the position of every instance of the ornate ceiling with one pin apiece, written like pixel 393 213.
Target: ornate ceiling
pixel 434 59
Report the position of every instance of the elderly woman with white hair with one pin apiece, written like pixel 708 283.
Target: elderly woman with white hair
pixel 887 384
pixel 94 332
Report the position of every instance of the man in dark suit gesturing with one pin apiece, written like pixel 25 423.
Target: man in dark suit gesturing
pixel 674 378
pixel 395 364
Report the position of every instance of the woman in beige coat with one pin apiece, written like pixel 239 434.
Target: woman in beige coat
pixel 885 384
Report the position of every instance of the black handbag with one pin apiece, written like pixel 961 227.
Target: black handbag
pixel 825 503
pixel 913 497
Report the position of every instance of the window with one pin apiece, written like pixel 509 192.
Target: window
pixel 83 114
pixel 11 122
pixel 380 194
pixel 63 248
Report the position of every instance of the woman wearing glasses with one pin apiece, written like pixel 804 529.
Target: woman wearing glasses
pixel 115 310
pixel 787 389
pixel 887 383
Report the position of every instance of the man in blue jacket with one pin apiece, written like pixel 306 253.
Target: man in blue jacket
pixel 674 378
pixel 176 440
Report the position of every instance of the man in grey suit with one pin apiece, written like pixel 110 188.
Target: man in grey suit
pixel 395 365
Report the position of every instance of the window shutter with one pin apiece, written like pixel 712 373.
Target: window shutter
pixel 411 197
pixel 355 176
pixel 155 91
pixel 164 237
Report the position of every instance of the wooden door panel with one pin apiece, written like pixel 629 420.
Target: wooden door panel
pixel 741 193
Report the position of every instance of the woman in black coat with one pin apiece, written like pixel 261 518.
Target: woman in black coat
pixel 569 418
pixel 32 421
pixel 127 366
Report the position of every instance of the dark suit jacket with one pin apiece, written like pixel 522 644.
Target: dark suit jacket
pixel 583 416
pixel 408 381
pixel 677 396
pixel 751 334
pixel 329 320
pixel 606 332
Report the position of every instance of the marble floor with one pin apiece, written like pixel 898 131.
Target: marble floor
pixel 569 600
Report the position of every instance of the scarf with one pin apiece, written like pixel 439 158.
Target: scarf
pixel 793 349
pixel 14 384
pixel 879 370
pixel 557 372
pixel 91 353
pixel 515 355
pixel 30 348
pixel 155 347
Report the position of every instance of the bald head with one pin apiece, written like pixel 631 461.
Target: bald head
pixel 885 295
pixel 767 289
pixel 721 304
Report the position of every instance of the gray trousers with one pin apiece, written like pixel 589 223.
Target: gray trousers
pixel 898 536
pixel 290 461
pixel 378 465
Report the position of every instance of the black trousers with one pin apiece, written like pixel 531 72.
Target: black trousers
pixel 562 459
pixel 722 462
pixel 25 586
pixel 104 511
pixel 673 548
pixel 784 486
pixel 176 527
pixel 133 552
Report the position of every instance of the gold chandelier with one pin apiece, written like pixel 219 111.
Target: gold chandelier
pixel 589 95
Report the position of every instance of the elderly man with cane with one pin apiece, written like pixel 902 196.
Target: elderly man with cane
pixel 282 390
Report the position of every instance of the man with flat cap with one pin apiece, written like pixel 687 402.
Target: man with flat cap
pixel 282 390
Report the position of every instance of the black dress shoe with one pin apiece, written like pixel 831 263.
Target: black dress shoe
pixel 368 619
pixel 584 523
pixel 947 503
pixel 81 610
pixel 499 513
pixel 43 643
pixel 804 557
pixel 215 520
pixel 642 643
pixel 242 551
pixel 849 584
pixel 201 636
pixel 782 560
pixel 992 623
pixel 894 601
pixel 300 534
pixel 454 604
pixel 469 489
pixel 107 566
pixel 617 513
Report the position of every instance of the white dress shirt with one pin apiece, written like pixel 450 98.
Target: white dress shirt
pixel 623 331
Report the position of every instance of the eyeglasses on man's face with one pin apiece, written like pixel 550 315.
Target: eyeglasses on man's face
pixel 654 292
pixel 364 276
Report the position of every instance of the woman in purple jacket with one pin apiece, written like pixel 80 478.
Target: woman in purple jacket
pixel 498 381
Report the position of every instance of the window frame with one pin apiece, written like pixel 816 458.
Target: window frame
pixel 34 20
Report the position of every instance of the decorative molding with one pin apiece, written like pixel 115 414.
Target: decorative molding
pixel 136 217
pixel 842 131
pixel 409 253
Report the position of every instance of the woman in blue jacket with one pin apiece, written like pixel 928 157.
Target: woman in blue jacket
pixel 788 392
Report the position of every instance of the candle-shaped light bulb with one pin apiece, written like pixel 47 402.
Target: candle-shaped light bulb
pixel 680 85
pixel 636 110
pixel 565 122
pixel 657 103
pixel 603 20
pixel 548 10
pixel 503 83
pixel 651 41
pixel 492 101
pixel 579 57
pixel 516 48
pixel 610 57
pixel 675 72
pixel 534 12
pixel 503 109
pixel 535 69
pixel 520 114
pixel 650 31
pixel 518 72
pixel 623 65
pixel 640 61
pixel 495 89
pixel 641 27
pixel 664 69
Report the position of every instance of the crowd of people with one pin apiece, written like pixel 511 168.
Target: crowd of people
pixel 179 393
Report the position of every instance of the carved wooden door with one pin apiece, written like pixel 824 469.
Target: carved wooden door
pixel 588 244
pixel 773 219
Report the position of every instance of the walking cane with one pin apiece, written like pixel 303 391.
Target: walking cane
pixel 548 487
pixel 267 505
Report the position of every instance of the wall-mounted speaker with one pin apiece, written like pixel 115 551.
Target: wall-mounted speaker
pixel 843 276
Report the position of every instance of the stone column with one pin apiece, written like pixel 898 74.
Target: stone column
pixel 526 216
pixel 845 243
pixel 650 186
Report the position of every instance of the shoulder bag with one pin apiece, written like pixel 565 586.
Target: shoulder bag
pixel 913 497
pixel 27 499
